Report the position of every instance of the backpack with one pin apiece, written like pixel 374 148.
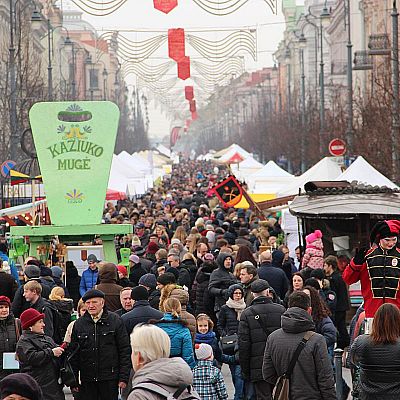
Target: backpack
pixel 154 388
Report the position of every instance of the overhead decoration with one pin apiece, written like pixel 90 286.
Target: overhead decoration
pixel 175 133
pixel 192 106
pixel 184 68
pixel 241 41
pixel 165 5
pixel 220 72
pixel 149 73
pixel 176 44
pixel 189 93
pixel 229 191
pixel 215 7
pixel 194 115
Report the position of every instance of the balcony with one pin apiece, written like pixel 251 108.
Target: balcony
pixel 362 61
pixel 379 45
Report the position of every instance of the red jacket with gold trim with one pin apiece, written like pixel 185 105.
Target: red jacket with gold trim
pixel 379 276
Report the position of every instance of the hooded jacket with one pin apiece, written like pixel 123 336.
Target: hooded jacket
pixel 166 372
pixel 220 280
pixel 73 281
pixel 312 377
pixel 108 285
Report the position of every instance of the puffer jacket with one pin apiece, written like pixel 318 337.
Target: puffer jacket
pixel 181 340
pixel 380 368
pixel 312 377
pixel 190 320
pixel 227 324
pixel 169 373
pixel 253 334
pixel 108 285
pixel 104 348
pixel 88 280
pixel 36 358
pixel 203 301
pixel 8 339
pixel 327 329
pixel 220 280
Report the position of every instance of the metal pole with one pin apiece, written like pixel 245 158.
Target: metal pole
pixel 49 66
pixel 322 98
pixel 13 90
pixel 73 74
pixel 338 353
pixel 289 94
pixel 349 133
pixel 395 104
pixel 303 114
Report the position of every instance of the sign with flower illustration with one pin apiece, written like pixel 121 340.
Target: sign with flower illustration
pixel 75 143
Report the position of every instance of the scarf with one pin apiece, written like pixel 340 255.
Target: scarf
pixel 208 338
pixel 238 306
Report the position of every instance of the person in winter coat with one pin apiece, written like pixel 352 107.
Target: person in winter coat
pixel 190 263
pixel 89 276
pixel 123 277
pixel 247 275
pixel 202 299
pixel 172 324
pixel 378 356
pixel 180 271
pixel 257 322
pixel 141 311
pixel 103 352
pixel 38 355
pixel 152 364
pixel 10 331
pixel 73 281
pixel 178 246
pixel 149 281
pixel 220 280
pixel 136 270
pixel 20 304
pixel 64 307
pixel 108 285
pixel 312 376
pixel 297 283
pixel 314 253
pixel 57 274
pixel 175 291
pixel 8 285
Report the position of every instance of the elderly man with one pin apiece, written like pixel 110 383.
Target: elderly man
pixel 256 323
pixel 126 301
pixel 103 351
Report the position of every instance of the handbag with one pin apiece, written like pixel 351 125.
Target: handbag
pixel 281 389
pixel 228 343
pixel 67 374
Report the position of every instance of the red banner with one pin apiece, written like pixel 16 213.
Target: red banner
pixel 165 5
pixel 176 44
pixel 189 93
pixel 192 106
pixel 184 68
pixel 174 135
pixel 194 115
pixel 188 122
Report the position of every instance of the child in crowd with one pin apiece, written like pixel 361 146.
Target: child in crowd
pixel 205 334
pixel 207 379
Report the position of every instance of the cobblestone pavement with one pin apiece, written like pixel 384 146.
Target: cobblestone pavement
pixel 228 382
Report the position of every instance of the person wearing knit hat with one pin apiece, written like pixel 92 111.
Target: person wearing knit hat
pixel 9 332
pixel 208 380
pixel 136 270
pixel 139 293
pixel 382 256
pixel 20 384
pixel 149 281
pixel 152 248
pixel 123 276
pixel 90 275
pixel 38 355
pixel 165 279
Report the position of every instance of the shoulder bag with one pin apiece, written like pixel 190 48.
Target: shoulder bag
pixel 281 389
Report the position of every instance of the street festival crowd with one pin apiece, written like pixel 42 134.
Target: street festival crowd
pixel 206 286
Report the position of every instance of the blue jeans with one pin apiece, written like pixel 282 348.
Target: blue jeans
pixel 237 380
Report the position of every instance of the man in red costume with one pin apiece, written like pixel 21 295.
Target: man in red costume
pixel 378 269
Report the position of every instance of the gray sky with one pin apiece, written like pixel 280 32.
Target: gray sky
pixel 140 14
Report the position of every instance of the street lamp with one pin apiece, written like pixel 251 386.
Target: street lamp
pixel 302 45
pixel 349 130
pixel 105 76
pixel 395 83
pixel 288 65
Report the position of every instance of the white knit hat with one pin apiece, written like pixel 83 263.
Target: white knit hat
pixel 203 351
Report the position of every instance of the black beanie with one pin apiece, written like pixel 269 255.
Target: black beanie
pixel 22 384
pixel 166 278
pixel 139 293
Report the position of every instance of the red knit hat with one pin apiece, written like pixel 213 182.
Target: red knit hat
pixel 122 269
pixel 152 248
pixel 29 317
pixel 4 300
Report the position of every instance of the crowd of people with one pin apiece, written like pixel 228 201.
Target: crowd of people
pixel 205 286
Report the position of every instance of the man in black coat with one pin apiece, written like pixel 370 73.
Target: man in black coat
pixel 142 311
pixel 136 269
pixel 257 321
pixel 103 355
pixel 275 276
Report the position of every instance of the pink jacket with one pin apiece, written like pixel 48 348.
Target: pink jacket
pixel 313 257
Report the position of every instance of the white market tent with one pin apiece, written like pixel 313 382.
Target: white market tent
pixel 136 162
pixel 163 150
pixel 246 168
pixel 224 155
pixel 270 179
pixel 364 173
pixel 324 170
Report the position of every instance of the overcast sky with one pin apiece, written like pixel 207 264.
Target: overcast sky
pixel 140 14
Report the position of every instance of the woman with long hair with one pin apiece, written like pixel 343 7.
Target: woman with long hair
pixel 245 254
pixel 180 234
pixel 378 356
pixel 297 283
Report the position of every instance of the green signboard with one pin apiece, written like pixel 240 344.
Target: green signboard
pixel 75 143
